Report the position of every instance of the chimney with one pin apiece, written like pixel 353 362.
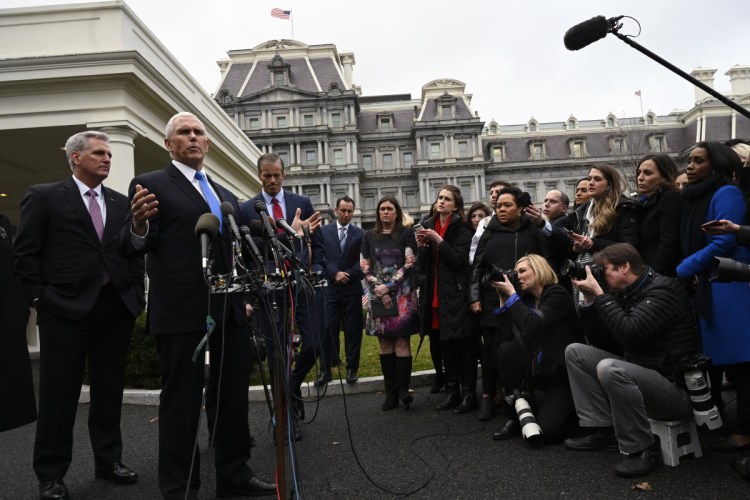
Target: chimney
pixel 347 61
pixel 739 78
pixel 705 76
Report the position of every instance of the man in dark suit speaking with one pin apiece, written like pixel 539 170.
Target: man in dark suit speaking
pixel 165 207
pixel 341 243
pixel 87 297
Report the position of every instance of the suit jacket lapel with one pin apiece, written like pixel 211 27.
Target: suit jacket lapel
pixel 73 195
pixel 184 185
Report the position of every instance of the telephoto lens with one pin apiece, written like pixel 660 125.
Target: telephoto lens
pixel 704 409
pixel 530 430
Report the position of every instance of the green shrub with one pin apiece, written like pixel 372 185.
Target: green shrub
pixel 142 368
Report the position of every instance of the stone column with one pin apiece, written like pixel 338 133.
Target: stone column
pixel 123 157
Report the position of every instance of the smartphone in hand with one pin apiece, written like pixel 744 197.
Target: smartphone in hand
pixel 418 227
pixel 712 223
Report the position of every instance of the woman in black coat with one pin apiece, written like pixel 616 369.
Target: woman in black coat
pixel 19 405
pixel 661 212
pixel 444 300
pixel 532 363
pixel 508 237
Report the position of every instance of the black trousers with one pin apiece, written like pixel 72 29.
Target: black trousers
pixel 740 376
pixel 343 311
pixel 180 407
pixel 103 338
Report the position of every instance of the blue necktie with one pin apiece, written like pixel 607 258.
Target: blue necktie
pixel 213 203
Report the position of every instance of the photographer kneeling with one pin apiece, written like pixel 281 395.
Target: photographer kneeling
pixel 652 318
pixel 544 323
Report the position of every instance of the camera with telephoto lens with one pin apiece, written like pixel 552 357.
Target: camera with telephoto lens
pixel 726 270
pixel 577 270
pixel 695 372
pixel 494 273
pixel 530 430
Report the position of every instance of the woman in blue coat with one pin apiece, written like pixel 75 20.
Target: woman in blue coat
pixel 723 308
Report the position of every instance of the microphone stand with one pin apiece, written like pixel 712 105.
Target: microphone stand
pixel 643 50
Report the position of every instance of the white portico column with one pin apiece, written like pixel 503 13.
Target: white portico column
pixel 122 170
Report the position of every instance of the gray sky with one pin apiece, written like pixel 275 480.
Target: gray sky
pixel 509 54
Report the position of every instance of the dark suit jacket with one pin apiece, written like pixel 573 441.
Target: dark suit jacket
pixel 347 259
pixel 60 259
pixel 178 293
pixel 293 202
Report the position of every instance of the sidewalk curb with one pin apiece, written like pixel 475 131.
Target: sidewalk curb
pixel 256 393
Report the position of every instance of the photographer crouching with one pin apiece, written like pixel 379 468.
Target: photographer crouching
pixel 532 364
pixel 651 316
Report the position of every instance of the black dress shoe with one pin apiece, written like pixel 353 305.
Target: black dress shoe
pixel 254 487
pixel 728 446
pixel 323 378
pixel 53 490
pixel 603 439
pixel 116 473
pixel 469 403
pixel 351 377
pixel 641 463
pixel 509 430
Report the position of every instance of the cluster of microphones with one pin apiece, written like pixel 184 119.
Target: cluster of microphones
pixel 208 226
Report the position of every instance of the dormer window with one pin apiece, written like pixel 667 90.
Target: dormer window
pixel 533 125
pixel 446 107
pixel 385 122
pixel 279 71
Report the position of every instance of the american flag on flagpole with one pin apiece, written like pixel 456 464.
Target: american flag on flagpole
pixel 638 93
pixel 281 13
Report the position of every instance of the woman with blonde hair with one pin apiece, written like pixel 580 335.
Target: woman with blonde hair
pixel 532 363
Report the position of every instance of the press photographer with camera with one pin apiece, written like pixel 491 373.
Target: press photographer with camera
pixel 507 237
pixel 532 363
pixel 651 316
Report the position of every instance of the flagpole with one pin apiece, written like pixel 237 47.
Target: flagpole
pixel 291 18
pixel 640 98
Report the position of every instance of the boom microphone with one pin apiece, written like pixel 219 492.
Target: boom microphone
pixel 206 228
pixel 587 32
pixel 228 211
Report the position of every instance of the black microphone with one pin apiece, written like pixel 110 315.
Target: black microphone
pixel 248 237
pixel 587 32
pixel 260 208
pixel 228 211
pixel 283 224
pixel 206 228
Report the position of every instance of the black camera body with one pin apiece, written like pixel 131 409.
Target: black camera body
pixel 494 273
pixel 577 270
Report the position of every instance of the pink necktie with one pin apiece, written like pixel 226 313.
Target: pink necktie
pixel 96 213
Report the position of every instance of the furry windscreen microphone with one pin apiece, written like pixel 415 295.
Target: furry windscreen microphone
pixel 586 33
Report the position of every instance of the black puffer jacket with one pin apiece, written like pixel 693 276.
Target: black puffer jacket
pixel 501 246
pixel 653 321
pixel 453 280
